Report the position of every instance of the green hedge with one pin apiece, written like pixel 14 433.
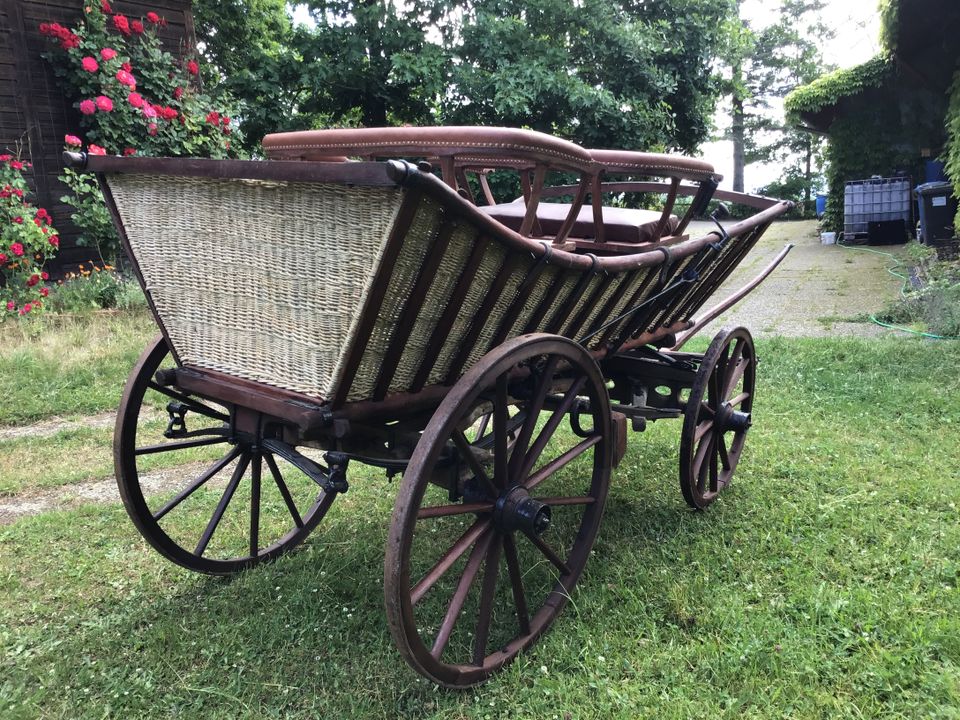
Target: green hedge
pixel 831 88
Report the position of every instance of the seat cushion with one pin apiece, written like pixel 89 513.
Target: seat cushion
pixel 627 225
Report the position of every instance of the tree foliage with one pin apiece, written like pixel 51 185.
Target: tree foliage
pixel 624 73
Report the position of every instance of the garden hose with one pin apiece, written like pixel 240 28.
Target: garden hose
pixel 892 269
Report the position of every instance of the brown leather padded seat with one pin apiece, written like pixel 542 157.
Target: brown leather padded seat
pixel 626 225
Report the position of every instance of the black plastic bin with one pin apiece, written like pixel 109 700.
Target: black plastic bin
pixel 938 207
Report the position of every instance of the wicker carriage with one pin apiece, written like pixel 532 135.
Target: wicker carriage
pixel 318 311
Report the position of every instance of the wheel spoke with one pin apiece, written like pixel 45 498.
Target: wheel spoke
pixel 739 399
pixel 556 464
pixel 219 437
pixel 457 509
pixel 222 505
pixel 547 433
pixel 722 449
pixel 702 429
pixel 714 463
pixel 481 431
pixel 255 505
pixel 462 544
pixel 500 446
pixel 491 567
pixel 699 461
pixel 284 491
pixel 734 376
pixel 572 500
pixel 533 413
pixel 460 595
pixel 516 583
pixel 196 484
pixel 463 445
pixel 548 553
pixel 192 403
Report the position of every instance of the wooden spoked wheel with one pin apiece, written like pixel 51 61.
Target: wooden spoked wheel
pixel 205 496
pixel 488 541
pixel 717 416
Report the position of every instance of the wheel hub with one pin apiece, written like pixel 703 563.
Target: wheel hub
pixel 732 419
pixel 516 510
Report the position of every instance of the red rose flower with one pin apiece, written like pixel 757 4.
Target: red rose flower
pixel 70 41
pixel 11 306
pixel 213 117
pixel 152 129
pixel 72 140
pixel 135 99
pixel 193 68
pixel 121 23
pixel 18 192
pixel 96 150
pixel 16 249
pixel 44 291
pixel 44 28
pixel 54 240
pixel 6 158
pixel 153 18
pixel 26 308
pixel 137 27
pixel 105 6
pixel 33 280
pixel 126 78
pixel 178 93
pixel 168 113
pixel 127 66
pixel 45 275
pixel 129 151
pixel 88 107
pixel 90 64
pixel 3 258
pixel 16 165
pixel 108 54
pixel 19 221
pixel 104 103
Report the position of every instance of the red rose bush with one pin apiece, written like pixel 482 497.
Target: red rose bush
pixel 27 240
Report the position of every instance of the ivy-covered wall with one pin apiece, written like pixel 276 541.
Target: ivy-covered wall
pixel 952 152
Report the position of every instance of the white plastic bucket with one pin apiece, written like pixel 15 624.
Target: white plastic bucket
pixel 828 238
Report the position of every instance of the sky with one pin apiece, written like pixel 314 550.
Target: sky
pixel 857 27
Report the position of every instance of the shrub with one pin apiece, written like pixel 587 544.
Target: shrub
pixel 134 98
pixel 27 240
pixel 96 287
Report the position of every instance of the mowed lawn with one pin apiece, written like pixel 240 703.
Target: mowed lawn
pixel 823 584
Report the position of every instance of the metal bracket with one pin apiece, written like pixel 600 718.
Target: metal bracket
pixel 332 480
pixel 177 426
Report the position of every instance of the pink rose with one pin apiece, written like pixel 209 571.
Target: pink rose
pixel 126 78
pixel 149 110
pixel 152 129
pixel 108 54
pixel 135 99
pixel 16 249
pixel 54 240
pixel 88 107
pixel 90 64
pixel 72 140
pixel 104 103
pixel 96 150
pixel 11 306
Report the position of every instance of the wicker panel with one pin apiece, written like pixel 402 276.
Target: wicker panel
pixel 261 280
pixel 540 288
pixel 455 256
pixel 571 278
pixel 489 267
pixel 635 278
pixel 667 305
pixel 599 304
pixel 567 328
pixel 423 230
pixel 492 321
pixel 620 327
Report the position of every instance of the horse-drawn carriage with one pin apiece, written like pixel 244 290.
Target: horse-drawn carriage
pixel 319 312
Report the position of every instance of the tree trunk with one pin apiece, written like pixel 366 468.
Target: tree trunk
pixel 736 133
pixel 808 177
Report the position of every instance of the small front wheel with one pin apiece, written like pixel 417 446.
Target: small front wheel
pixel 717 416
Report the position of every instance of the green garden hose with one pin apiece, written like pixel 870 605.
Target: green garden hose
pixel 892 269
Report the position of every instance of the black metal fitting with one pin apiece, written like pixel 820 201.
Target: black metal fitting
pixel 177 426
pixel 516 510
pixel 337 477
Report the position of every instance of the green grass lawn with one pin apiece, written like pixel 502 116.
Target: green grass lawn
pixel 823 584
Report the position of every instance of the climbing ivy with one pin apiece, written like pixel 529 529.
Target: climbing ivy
pixel 952 149
pixel 889 24
pixel 829 89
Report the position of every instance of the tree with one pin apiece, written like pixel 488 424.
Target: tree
pixel 766 65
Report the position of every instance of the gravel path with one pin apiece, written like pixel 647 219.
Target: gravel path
pixel 815 292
